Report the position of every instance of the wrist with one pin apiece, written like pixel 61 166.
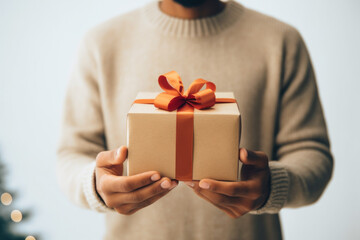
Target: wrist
pixel 278 190
pixel 93 198
pixel 265 196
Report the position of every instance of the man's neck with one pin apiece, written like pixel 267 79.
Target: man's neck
pixel 207 9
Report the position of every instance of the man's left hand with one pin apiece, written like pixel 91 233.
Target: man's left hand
pixel 238 198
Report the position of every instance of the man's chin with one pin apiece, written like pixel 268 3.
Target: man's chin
pixel 190 3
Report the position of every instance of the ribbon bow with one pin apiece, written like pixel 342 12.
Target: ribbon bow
pixel 174 96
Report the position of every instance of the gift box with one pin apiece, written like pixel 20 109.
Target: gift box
pixel 188 140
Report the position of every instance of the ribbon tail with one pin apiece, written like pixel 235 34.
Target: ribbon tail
pixel 144 101
pixel 225 100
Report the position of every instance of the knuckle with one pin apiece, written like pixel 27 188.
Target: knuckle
pixel 213 187
pixel 109 201
pixel 126 186
pixel 100 157
pixel 248 207
pixel 233 190
pixel 233 216
pixel 240 214
pixel 102 185
pixel 147 202
pixel 131 212
pixel 237 213
pixel 246 189
pixel 155 191
pixel 136 198
pixel 144 181
pixel 226 201
pixel 124 210
pixel 256 194
pixel 219 200
pixel 257 188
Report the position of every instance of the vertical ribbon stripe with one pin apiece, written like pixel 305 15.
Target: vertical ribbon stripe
pixel 184 143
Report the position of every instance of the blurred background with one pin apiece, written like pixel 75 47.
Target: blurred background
pixel 38 43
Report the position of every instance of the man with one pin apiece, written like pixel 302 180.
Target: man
pixel 285 147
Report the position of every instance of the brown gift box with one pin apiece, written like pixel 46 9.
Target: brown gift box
pixel 151 137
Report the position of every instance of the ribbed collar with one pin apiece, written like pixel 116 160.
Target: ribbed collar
pixel 193 27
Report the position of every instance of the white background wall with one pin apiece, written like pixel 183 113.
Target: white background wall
pixel 38 41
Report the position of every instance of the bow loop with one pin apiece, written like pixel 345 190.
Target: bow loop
pixel 203 99
pixel 171 83
pixel 168 101
pixel 196 86
pixel 174 97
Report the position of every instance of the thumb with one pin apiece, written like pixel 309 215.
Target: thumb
pixel 111 158
pixel 120 155
pixel 255 158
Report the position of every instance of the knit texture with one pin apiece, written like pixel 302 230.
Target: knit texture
pixel 278 190
pixel 193 28
pixel 262 60
pixel 89 189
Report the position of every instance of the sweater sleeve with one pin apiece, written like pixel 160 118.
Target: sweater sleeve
pixel 303 162
pixel 82 132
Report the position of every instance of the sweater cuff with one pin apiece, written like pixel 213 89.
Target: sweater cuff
pixel 92 197
pixel 278 192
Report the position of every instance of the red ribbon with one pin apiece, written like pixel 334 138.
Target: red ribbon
pixel 174 98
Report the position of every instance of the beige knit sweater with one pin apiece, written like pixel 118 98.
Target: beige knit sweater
pixel 262 60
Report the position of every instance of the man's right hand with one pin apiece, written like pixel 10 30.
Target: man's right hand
pixel 127 194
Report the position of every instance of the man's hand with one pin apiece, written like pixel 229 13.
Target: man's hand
pixel 238 198
pixel 127 194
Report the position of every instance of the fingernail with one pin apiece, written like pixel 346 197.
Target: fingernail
pixel 190 184
pixel 165 184
pixel 155 177
pixel 245 153
pixel 204 185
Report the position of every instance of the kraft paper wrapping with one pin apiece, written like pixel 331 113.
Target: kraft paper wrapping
pixel 151 139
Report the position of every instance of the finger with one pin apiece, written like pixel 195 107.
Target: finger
pixel 121 154
pixel 123 184
pixel 227 210
pixel 254 158
pixel 216 198
pixel 243 205
pixel 247 189
pixel 145 193
pixel 116 200
pixel 237 205
pixel 111 158
pixel 131 208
